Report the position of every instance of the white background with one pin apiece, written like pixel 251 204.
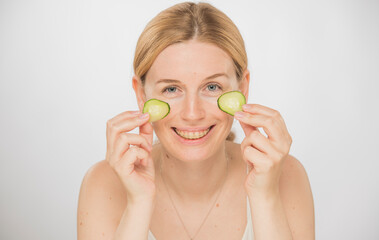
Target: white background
pixel 66 68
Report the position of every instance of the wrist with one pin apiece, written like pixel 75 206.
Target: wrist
pixel 263 195
pixel 140 207
pixel 142 201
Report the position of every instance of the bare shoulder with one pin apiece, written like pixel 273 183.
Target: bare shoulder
pixel 101 202
pixel 100 175
pixel 297 199
pixel 293 165
pixel 294 176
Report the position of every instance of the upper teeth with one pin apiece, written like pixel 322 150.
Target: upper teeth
pixel 192 135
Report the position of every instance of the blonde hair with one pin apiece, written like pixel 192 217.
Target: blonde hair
pixel 186 21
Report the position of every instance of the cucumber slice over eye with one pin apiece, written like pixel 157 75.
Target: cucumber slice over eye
pixel 157 109
pixel 231 102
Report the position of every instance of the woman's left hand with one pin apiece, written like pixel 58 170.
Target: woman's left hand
pixel 264 154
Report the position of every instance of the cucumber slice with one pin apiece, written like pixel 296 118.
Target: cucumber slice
pixel 157 109
pixel 231 102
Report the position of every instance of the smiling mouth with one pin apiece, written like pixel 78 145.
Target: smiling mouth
pixel 193 135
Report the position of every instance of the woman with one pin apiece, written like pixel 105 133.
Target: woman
pixel 195 183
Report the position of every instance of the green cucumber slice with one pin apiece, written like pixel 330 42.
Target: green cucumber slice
pixel 157 109
pixel 231 102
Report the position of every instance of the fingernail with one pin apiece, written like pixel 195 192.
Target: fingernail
pixel 239 115
pixel 143 116
pixel 246 107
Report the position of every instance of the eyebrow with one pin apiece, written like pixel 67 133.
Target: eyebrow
pixel 207 78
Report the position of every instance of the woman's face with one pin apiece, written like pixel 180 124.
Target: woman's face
pixel 190 77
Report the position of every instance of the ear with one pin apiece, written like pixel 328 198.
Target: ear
pixel 140 92
pixel 245 83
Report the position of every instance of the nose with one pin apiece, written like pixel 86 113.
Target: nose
pixel 193 108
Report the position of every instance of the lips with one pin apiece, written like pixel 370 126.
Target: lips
pixel 192 134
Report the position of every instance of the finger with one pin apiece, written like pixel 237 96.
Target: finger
pixel 146 131
pixel 125 115
pixel 121 117
pixel 247 129
pixel 259 160
pixel 121 145
pixel 253 156
pixel 259 109
pixel 259 142
pixel 125 140
pixel 132 157
pixel 126 125
pixel 271 127
pixel 263 110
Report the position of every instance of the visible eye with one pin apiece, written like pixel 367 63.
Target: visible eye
pixel 170 89
pixel 213 87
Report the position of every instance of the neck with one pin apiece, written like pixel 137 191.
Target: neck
pixel 195 181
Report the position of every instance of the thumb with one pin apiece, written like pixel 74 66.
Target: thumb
pixel 146 131
pixel 247 129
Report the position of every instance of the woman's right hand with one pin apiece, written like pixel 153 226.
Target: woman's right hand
pixel 129 154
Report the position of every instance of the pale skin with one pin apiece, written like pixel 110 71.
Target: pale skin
pixel 123 196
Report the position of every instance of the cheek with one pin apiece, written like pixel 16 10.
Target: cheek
pixel 227 119
pixel 213 110
pixel 176 105
pixel 159 127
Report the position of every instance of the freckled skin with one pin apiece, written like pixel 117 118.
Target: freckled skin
pixel 192 103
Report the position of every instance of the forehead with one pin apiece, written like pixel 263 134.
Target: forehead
pixel 189 60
